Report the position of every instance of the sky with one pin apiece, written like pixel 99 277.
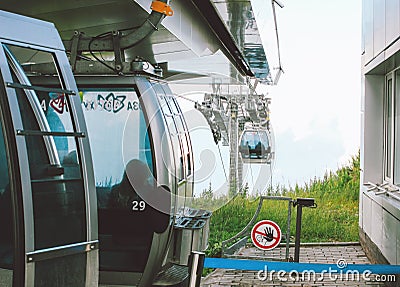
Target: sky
pixel 316 103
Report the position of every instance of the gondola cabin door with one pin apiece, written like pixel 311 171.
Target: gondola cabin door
pixel 48 236
pixel 134 192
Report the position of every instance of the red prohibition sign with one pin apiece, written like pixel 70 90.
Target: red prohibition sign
pixel 266 235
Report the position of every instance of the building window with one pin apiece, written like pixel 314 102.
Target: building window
pixel 388 129
pixel 391 128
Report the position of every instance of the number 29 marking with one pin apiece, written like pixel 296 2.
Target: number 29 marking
pixel 138 205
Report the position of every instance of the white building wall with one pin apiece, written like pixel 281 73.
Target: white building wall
pixel 392 21
pixel 379 213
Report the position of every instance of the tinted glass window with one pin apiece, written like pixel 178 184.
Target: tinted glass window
pixel 388 121
pixel 56 181
pixel 117 132
pixel 254 144
pixel 6 215
pixel 123 165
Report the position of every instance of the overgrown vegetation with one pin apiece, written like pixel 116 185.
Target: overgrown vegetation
pixel 335 218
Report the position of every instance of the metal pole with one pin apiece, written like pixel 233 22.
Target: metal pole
pixel 288 230
pixel 233 144
pixel 196 264
pixel 298 232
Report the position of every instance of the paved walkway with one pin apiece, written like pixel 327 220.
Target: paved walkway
pixel 352 253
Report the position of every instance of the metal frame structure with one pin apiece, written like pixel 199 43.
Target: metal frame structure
pixel 233 244
pixel 228 115
pixel 240 239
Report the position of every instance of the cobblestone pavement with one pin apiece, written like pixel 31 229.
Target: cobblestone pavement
pixel 330 254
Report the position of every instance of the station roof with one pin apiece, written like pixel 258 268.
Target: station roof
pixel 197 28
pixel 238 16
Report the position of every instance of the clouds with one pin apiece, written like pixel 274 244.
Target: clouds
pixel 300 159
pixel 316 105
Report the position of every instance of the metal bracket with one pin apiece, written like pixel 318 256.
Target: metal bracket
pixel 385 189
pixel 161 7
pixel 305 202
pixel 74 48
pixel 118 53
pixel 61 251
pixel 102 44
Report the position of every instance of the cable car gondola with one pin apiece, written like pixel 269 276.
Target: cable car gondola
pixel 143 167
pixel 255 146
pixel 48 223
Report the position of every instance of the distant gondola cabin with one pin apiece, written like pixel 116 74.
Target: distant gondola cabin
pixel 255 146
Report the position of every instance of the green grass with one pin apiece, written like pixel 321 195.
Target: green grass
pixel 334 219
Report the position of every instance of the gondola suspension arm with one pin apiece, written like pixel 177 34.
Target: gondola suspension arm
pixel 81 43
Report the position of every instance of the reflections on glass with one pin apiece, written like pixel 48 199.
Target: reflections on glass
pixel 56 181
pixel 6 213
pixel 125 184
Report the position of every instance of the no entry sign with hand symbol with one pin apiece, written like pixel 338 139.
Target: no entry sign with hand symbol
pixel 266 235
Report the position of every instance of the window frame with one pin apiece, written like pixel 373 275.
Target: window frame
pixel 389 123
pixel 27 254
pixel 15 185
